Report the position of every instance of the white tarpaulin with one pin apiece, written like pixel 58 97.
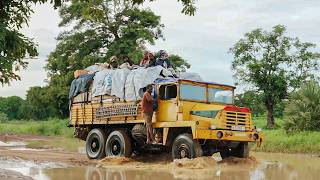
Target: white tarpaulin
pixel 127 84
pixel 140 78
pixel 102 82
pixel 118 82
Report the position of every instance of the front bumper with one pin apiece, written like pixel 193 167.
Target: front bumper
pixel 228 135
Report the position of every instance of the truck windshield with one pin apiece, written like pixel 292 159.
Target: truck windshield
pixel 191 92
pixel 198 93
pixel 220 95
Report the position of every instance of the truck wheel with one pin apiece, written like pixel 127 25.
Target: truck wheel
pixel 184 146
pixel 119 144
pixel 226 153
pixel 95 144
pixel 242 150
pixel 139 133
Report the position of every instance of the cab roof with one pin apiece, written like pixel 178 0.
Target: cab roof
pixel 165 81
pixel 205 83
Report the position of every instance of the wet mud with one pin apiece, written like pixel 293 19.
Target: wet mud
pixel 18 161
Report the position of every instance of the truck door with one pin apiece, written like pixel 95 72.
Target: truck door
pixel 167 103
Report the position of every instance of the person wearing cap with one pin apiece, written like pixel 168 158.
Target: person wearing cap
pixel 114 62
pixel 163 60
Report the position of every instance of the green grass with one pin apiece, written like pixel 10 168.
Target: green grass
pixel 68 144
pixel 278 140
pixel 63 136
pixel 51 127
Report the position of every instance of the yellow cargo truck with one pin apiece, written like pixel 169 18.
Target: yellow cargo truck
pixel 192 119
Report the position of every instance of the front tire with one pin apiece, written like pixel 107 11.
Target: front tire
pixel 95 144
pixel 119 144
pixel 241 151
pixel 184 146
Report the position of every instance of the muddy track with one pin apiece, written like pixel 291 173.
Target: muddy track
pixel 42 155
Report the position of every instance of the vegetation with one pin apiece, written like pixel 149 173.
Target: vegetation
pixel 101 29
pixel 277 140
pixel 51 127
pixel 303 110
pixel 273 64
pixel 37 106
pixel 253 100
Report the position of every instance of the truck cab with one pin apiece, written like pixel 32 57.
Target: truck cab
pixel 216 124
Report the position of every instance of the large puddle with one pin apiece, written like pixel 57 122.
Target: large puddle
pixel 259 166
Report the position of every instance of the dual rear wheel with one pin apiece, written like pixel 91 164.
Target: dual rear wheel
pixel 98 146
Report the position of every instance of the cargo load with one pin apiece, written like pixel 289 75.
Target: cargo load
pixel 123 83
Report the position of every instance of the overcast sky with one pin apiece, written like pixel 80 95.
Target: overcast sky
pixel 203 39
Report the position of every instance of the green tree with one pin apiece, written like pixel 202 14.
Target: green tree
pixel 101 29
pixel 274 64
pixel 252 100
pixel 14 46
pixel 38 104
pixel 303 110
pixel 11 106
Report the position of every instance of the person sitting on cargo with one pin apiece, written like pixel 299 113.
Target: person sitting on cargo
pixel 147 59
pixel 147 109
pixel 113 62
pixel 163 60
pixel 127 63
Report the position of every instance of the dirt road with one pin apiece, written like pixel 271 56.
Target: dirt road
pixel 17 149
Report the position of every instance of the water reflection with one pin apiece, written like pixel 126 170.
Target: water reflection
pixel 266 170
pixel 271 166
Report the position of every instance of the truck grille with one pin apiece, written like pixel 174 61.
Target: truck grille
pixel 232 118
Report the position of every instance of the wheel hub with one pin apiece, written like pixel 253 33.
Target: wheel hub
pixel 94 145
pixel 115 148
pixel 183 153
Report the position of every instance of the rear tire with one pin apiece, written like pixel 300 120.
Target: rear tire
pixel 184 146
pixel 119 144
pixel 95 144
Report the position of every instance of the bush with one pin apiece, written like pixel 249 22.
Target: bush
pixel 3 117
pixel 303 110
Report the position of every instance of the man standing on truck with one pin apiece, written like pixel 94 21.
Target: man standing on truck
pixel 147 109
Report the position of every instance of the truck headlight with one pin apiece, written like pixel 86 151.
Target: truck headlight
pixel 213 127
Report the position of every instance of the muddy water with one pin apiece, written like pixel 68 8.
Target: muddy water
pixel 258 166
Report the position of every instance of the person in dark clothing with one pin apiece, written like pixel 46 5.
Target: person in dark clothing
pixel 147 109
pixel 163 60
pixel 126 59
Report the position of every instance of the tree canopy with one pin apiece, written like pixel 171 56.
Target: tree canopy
pixel 273 64
pixel 16 47
pixel 100 29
